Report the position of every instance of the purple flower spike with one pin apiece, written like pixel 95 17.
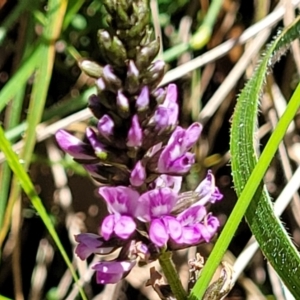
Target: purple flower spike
pixel 156 203
pixel 90 243
pixel 97 146
pixel 106 126
pixel 135 134
pixel 142 101
pixel 73 146
pixel 207 190
pixel 112 271
pixel 138 174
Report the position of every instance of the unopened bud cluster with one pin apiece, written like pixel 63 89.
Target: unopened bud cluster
pixel 137 152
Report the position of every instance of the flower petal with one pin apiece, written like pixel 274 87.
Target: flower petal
pixel 106 126
pixel 209 228
pixel 73 146
pixel 155 203
pixel 135 133
pixel 124 227
pixel 138 174
pixel 174 227
pixel 207 191
pixel 190 236
pixel 107 227
pixel 192 215
pixel 89 243
pixel 158 232
pixel 120 199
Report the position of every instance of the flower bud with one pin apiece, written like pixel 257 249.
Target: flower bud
pixel 90 68
pixel 73 146
pixel 113 83
pixel 146 54
pixel 132 82
pixel 123 105
pixel 112 48
pixel 141 11
pixel 105 126
pixel 160 95
pixel 100 84
pixel 97 146
pixel 135 133
pixel 138 174
pixel 154 74
pixel 142 101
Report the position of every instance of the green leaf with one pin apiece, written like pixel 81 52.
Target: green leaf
pixel 248 174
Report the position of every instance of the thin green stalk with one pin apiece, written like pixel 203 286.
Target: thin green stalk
pixel 203 34
pixel 167 265
pixel 201 37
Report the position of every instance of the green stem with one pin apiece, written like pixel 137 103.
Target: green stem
pixel 166 263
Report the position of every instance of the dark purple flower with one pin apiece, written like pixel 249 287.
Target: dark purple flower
pixel 138 174
pixel 73 146
pixel 112 271
pixel 135 133
pixel 89 243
